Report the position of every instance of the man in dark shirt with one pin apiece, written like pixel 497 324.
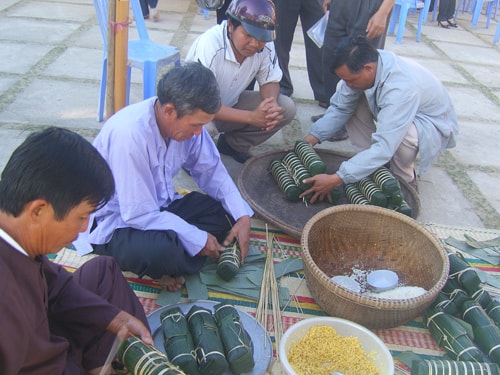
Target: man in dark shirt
pixel 54 322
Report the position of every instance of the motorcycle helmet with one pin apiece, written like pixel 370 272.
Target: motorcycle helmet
pixel 258 17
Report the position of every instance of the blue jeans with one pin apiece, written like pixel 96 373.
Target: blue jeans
pixel 146 4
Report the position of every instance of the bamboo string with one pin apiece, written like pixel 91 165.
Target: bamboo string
pixel 269 296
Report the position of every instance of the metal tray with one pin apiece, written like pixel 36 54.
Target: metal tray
pixel 263 349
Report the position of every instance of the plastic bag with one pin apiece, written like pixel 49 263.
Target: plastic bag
pixel 317 31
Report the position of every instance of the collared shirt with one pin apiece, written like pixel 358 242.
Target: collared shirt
pixel 213 50
pixel 12 242
pixel 403 93
pixel 144 165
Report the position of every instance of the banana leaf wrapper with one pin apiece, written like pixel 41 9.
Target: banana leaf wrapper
pixel 449 334
pixel 384 178
pixel 298 170
pixel 445 367
pixel 228 264
pixel 482 297
pixel 488 339
pixel 404 208
pixel 208 345
pixel 445 304
pixel 141 359
pixel 475 315
pixel 464 274
pixel 493 311
pixel 285 181
pixel 177 340
pixel 455 292
pixel 237 343
pixel 308 156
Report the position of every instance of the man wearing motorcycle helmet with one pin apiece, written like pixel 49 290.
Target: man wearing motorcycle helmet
pixel 239 50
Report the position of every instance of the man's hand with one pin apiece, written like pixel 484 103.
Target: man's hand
pixel 326 5
pixel 267 115
pixel 323 184
pixel 125 325
pixel 376 25
pixel 311 139
pixel 212 247
pixel 241 232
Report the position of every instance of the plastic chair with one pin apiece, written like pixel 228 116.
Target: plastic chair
pixel 476 7
pixel 400 10
pixel 143 54
pixel 497 34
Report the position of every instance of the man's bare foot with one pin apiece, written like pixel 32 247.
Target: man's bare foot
pixel 172 284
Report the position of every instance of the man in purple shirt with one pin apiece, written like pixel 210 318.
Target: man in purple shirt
pixel 147 226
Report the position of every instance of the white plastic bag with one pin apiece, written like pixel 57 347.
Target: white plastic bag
pixel 317 31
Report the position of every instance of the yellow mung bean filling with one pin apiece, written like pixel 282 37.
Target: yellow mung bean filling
pixel 322 351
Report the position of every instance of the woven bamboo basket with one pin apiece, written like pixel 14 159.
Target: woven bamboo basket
pixel 342 238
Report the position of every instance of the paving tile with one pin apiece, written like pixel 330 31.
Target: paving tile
pixel 486 75
pixel 488 185
pixel 29 30
pixel 448 205
pixel 62 41
pixel 19 58
pixel 9 140
pixel 442 70
pixel 6 83
pixel 477 144
pixel 58 103
pixel 471 54
pixel 77 62
pixel 4 4
pixel 472 104
pixel 55 11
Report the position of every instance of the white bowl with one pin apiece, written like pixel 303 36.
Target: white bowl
pixel 369 341
pixel 382 280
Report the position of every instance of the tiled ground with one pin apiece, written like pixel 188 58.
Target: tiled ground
pixel 50 67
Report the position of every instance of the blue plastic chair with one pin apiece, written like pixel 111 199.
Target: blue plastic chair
pixel 400 11
pixel 476 7
pixel 497 34
pixel 143 54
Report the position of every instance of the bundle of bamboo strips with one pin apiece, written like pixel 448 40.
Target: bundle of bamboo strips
pixel 269 296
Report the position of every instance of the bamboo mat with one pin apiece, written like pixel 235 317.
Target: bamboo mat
pixel 412 336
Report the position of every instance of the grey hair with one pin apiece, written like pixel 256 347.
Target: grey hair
pixel 189 88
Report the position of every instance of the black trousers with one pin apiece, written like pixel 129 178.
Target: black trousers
pixel 160 252
pixel 347 19
pixel 288 13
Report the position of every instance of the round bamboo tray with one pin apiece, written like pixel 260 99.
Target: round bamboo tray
pixel 342 238
pixel 261 191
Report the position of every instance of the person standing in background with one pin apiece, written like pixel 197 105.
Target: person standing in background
pixel 288 13
pixel 369 18
pixel 221 12
pixel 149 8
pixel 446 13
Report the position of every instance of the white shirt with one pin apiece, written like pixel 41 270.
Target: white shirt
pixel 213 50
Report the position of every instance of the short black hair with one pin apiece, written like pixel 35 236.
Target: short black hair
pixel 189 88
pixel 57 165
pixel 354 53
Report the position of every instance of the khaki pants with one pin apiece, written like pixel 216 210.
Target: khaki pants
pixel 360 129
